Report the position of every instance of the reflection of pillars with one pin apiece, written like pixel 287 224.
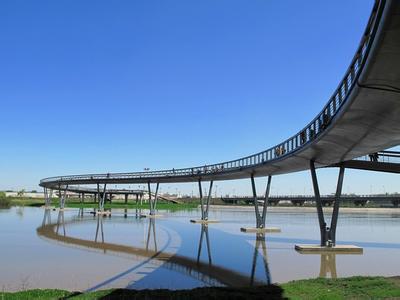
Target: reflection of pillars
pixel 204 231
pixel 260 242
pixel 328 265
pixel 152 228
pixel 60 221
pixel 46 217
pixel 125 212
pixel 99 227
pixel 138 212
pixel 80 212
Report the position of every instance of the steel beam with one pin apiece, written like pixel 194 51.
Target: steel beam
pixel 62 197
pixel 328 234
pixel 335 214
pixel 153 201
pixel 205 206
pixel 103 197
pixel 318 203
pixel 260 217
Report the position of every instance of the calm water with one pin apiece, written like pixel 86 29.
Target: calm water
pixel 78 251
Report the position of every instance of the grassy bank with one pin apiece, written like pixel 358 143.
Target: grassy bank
pixel 120 204
pixel 345 288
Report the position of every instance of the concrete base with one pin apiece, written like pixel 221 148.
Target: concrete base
pixel 260 230
pixel 317 249
pixel 60 209
pixel 150 216
pixel 103 213
pixel 204 221
pixel 48 207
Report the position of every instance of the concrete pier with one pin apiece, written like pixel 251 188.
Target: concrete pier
pixel 199 221
pixel 260 230
pixel 317 249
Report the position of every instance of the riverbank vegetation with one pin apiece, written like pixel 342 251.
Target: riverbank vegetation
pixel 116 204
pixel 5 202
pixel 345 288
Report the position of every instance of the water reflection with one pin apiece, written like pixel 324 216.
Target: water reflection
pixel 60 222
pixel 99 226
pixel 328 265
pixel 152 228
pixel 46 217
pixel 166 257
pixel 260 243
pixel 204 231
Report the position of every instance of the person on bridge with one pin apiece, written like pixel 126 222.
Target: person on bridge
pixel 374 156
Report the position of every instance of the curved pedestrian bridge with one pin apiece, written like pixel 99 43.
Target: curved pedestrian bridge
pixel 361 117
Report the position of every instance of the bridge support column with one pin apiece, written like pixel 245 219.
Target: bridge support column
pixel 152 201
pixel 205 205
pixel 47 197
pixel 260 216
pixel 126 198
pixel 62 197
pixel 102 198
pixel 328 234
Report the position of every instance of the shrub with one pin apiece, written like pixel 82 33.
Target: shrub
pixel 4 201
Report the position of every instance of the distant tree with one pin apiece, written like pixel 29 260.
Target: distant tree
pixel 4 201
pixel 21 193
pixel 34 191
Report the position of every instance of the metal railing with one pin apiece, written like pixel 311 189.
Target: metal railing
pixel 382 156
pixel 302 138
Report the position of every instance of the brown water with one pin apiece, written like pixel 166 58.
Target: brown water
pixel 75 250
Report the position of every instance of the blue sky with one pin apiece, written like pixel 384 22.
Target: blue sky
pixel 101 86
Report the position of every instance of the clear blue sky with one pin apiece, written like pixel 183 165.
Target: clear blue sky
pixel 113 86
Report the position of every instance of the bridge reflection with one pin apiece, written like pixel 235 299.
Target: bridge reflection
pixel 260 243
pixel 328 265
pixel 207 272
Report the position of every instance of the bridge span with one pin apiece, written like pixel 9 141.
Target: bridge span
pixel 361 117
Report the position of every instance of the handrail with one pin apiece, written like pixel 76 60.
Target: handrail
pixel 302 138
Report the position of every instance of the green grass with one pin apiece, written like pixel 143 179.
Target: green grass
pixel 345 288
pixel 75 203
